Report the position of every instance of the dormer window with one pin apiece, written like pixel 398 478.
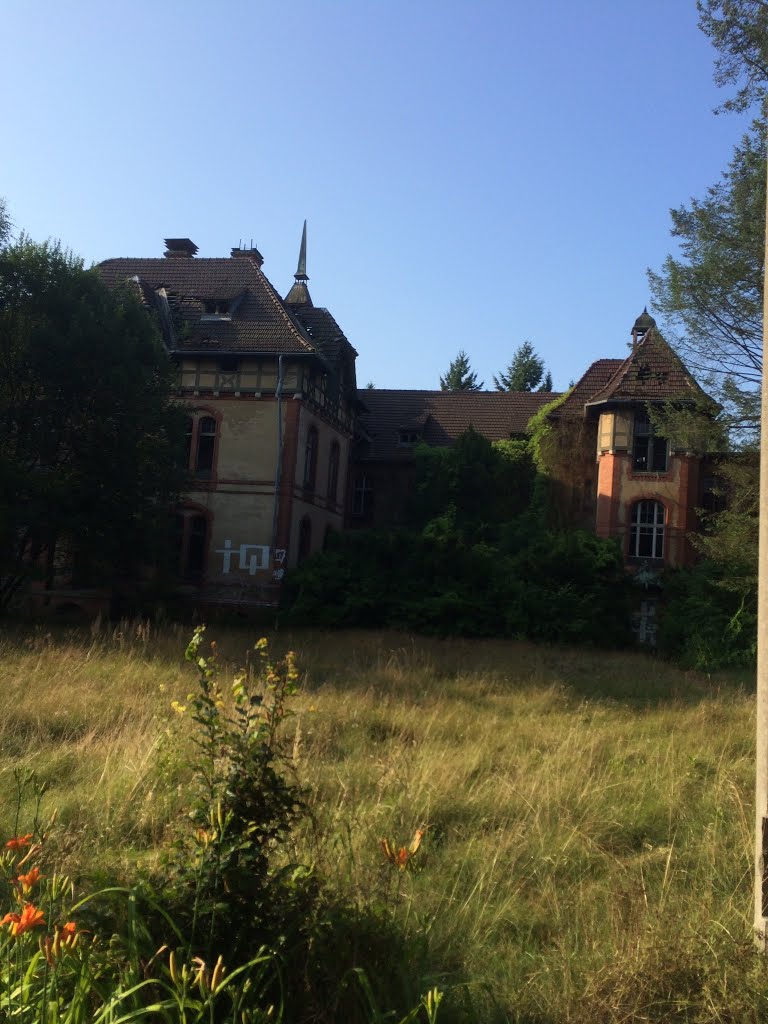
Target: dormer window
pixel 406 438
pixel 216 309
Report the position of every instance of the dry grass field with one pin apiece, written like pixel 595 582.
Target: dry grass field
pixel 588 815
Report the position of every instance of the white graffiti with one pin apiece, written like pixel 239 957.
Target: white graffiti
pixel 280 554
pixel 253 562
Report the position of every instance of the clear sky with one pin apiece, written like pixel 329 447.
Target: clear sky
pixel 474 174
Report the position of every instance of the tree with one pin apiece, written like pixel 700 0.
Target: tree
pixel 525 372
pixel 712 293
pixel 738 29
pixel 459 377
pixel 5 223
pixel 89 456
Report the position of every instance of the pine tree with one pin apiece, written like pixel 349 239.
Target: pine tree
pixel 459 376
pixel 525 372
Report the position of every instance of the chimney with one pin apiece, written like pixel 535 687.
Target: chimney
pixel 252 253
pixel 179 248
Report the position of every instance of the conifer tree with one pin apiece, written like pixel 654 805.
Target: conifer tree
pixel 524 373
pixel 459 376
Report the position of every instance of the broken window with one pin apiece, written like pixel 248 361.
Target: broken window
pixel 649 452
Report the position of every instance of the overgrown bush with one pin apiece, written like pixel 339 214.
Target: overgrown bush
pixel 521 582
pixel 705 622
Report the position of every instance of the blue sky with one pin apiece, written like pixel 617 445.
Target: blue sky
pixel 474 175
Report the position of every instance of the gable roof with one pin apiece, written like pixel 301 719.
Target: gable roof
pixel 441 416
pixel 653 372
pixel 260 323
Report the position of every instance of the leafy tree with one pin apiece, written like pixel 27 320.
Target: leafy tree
pixel 459 376
pixel 481 483
pixel 88 464
pixel 738 29
pixel 524 373
pixel 712 293
pixel 5 223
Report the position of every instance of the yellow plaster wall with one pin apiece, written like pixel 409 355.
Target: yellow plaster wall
pixel 248 439
pixel 245 520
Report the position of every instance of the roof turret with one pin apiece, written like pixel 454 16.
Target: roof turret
pixel 299 293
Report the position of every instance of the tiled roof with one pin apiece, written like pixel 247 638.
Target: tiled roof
pixel 321 328
pixel 260 322
pixel 652 373
pixel 441 416
pixel 594 380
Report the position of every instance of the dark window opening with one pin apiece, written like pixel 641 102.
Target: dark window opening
pixel 333 471
pixel 305 539
pixel 206 440
pixel 310 459
pixel 649 452
pixel 191 545
pixel 408 437
pixel 362 498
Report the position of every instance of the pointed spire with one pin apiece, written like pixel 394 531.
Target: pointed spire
pixel 299 293
pixel 301 270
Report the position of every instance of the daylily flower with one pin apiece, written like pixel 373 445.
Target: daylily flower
pixel 401 856
pixel 19 842
pixel 27 882
pixel 29 918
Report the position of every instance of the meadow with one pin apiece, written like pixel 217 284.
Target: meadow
pixel 587 816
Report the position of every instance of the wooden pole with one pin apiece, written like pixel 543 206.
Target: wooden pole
pixel 761 787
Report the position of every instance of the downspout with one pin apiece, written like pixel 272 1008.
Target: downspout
pixel 279 462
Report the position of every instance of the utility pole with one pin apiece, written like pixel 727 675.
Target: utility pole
pixel 761 787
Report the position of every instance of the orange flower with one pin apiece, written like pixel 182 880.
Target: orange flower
pixel 29 918
pixel 401 856
pixel 19 842
pixel 65 937
pixel 28 881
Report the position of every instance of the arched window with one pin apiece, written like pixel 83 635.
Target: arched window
pixel 310 459
pixel 333 471
pixel 201 445
pixel 191 543
pixel 646 536
pixel 305 539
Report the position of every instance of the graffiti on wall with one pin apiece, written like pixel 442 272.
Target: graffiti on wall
pixel 251 557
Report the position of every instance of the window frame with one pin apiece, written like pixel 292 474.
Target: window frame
pixel 203 425
pixel 362 497
pixel 648 447
pixel 653 527
pixel 334 461
pixel 311 446
pixel 189 516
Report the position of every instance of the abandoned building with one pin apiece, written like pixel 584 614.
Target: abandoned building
pixel 282 447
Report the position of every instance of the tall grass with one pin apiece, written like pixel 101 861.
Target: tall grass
pixel 587 854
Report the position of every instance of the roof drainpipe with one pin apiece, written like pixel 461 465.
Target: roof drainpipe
pixel 279 462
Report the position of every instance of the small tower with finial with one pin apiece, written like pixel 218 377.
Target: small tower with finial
pixel 299 293
pixel 642 325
